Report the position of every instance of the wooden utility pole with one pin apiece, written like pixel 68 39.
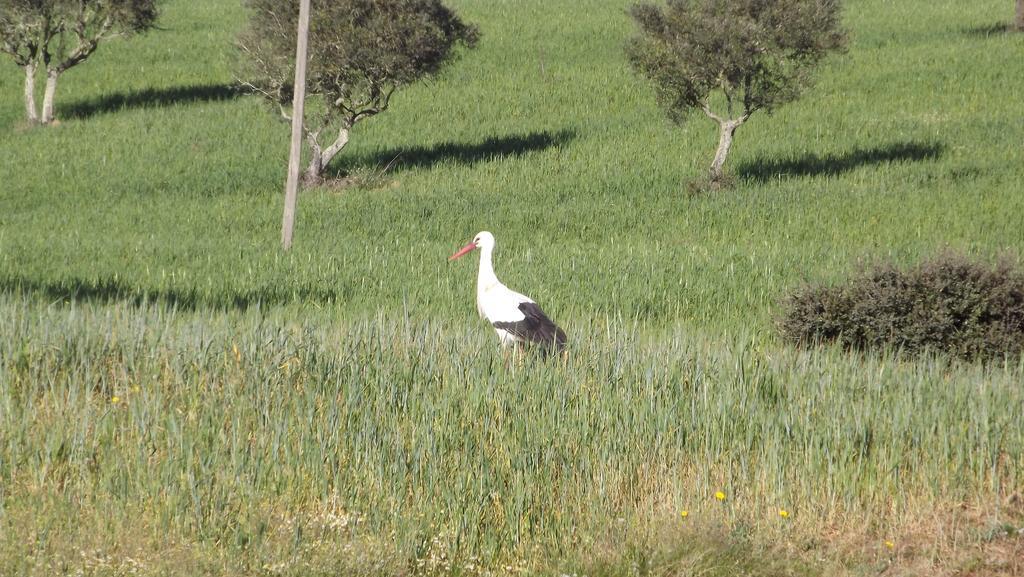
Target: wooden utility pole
pixel 298 115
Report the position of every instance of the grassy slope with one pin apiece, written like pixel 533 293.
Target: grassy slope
pixel 908 143
pixel 188 195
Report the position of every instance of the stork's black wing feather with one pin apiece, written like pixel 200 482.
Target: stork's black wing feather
pixel 536 327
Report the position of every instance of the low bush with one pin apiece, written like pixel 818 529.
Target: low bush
pixel 949 303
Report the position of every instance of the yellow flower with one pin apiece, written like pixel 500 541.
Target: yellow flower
pixel 136 388
pixel 684 513
pixel 720 495
pixel 115 399
pixel 890 545
pixel 784 513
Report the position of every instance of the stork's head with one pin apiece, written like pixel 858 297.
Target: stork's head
pixel 483 240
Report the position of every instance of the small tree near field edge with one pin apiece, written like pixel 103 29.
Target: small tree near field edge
pixel 55 35
pixel 731 58
pixel 360 53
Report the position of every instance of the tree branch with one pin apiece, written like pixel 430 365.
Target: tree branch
pixel 707 110
pixel 381 99
pixel 749 104
pixel 284 114
pixel 15 50
pixel 336 146
pixel 86 44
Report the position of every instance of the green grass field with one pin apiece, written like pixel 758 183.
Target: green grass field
pixel 179 397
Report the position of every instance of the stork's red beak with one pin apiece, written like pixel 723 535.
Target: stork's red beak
pixel 464 251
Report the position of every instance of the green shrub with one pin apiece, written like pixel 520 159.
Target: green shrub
pixel 949 303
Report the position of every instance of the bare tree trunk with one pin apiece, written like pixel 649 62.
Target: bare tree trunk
pixel 322 158
pixel 30 92
pixel 1019 22
pixel 48 95
pixel 727 128
pixel 316 164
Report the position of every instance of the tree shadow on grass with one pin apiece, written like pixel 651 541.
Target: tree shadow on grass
pixel 150 98
pixel 764 170
pixel 110 290
pixel 460 152
pixel 988 30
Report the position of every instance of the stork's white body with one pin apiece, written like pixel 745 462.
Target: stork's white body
pixel 496 302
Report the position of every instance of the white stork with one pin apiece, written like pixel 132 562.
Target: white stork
pixel 515 317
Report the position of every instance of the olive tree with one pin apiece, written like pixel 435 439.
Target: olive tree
pixel 55 35
pixel 731 58
pixel 360 53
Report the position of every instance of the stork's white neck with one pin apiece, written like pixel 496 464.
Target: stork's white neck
pixel 486 278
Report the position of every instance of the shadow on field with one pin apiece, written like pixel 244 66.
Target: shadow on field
pixel 110 290
pixel 464 153
pixel 764 170
pixel 994 29
pixel 150 98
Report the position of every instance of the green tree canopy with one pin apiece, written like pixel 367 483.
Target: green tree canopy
pixel 56 35
pixel 360 53
pixel 754 54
